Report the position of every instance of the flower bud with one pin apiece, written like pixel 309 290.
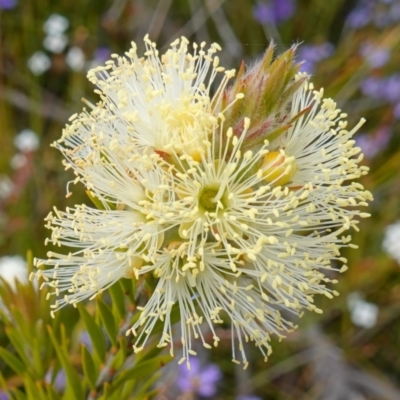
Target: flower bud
pixel 278 168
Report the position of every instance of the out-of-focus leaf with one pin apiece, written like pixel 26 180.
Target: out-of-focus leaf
pixel 128 288
pixel 95 333
pixel 128 388
pixel 108 320
pixel 12 361
pixel 4 386
pixel 118 300
pixel 74 384
pixel 89 367
pixel 18 395
pixel 18 344
pixel 51 393
pixel 142 369
pixel 32 392
pixel 120 357
pixel 145 385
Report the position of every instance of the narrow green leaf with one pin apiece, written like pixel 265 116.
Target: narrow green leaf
pixel 145 385
pixel 120 357
pixel 89 367
pixel 128 287
pixel 40 389
pixel 74 384
pixel 12 361
pixel 18 395
pixel 95 333
pixel 128 388
pixel 98 203
pixel 31 389
pixel 18 344
pixel 51 393
pixel 4 386
pixel 108 320
pixel 37 360
pixel 142 369
pixel 118 300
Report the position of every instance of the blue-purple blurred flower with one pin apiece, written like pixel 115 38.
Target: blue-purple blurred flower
pixel 102 54
pixel 359 17
pixel 396 111
pixel 59 382
pixel 371 145
pixel 387 89
pixel 7 4
pixel 3 395
pixel 274 11
pixel 84 338
pixel 375 56
pixel 311 54
pixel 248 397
pixel 201 380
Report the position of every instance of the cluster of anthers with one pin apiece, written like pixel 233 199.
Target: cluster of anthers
pixel 230 234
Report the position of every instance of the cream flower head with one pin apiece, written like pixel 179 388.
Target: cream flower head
pixel 236 205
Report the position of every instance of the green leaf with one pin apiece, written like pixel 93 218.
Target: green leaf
pixel 18 395
pixel 4 386
pixel 51 393
pixel 74 384
pixel 32 392
pixel 89 367
pixel 128 287
pixel 95 333
pixel 118 300
pixel 108 320
pixel 145 385
pixel 12 361
pixel 142 369
pixel 98 203
pixel 18 344
pixel 120 357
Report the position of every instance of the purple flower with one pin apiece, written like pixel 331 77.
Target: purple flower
pixel 391 88
pixel 310 54
pixel 396 111
pixel 372 144
pixel 200 380
pixel 275 11
pixel 3 395
pixel 102 54
pixel 7 4
pixel 359 18
pixel 84 338
pixel 376 56
pixel 248 397
pixel 372 87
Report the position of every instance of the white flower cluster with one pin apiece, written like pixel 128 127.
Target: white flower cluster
pixel 229 236
pixel 391 241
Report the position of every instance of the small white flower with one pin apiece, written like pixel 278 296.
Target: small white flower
pixel 56 24
pixel 230 234
pixel 18 161
pixel 363 313
pixel 391 241
pixel 75 58
pixel 55 43
pixel 39 63
pixel 26 141
pixel 6 186
pixel 13 268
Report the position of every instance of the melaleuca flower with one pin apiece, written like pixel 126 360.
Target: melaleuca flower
pixel 232 206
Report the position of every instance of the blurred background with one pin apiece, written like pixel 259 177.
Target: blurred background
pixel 351 47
